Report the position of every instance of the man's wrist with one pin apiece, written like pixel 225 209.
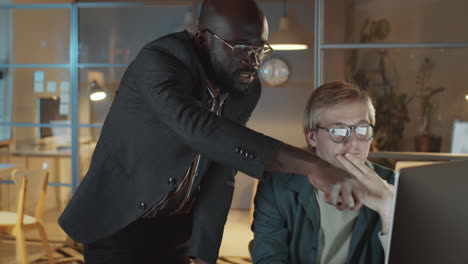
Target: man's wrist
pixel 385 218
pixel 290 159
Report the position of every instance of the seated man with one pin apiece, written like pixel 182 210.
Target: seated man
pixel 293 223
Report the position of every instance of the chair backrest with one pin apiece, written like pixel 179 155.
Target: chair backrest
pixel 32 186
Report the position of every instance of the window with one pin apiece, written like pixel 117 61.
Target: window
pixel 410 55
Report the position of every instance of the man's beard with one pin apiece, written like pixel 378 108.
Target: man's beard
pixel 225 84
pixel 236 92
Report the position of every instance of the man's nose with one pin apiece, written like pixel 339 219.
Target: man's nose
pixel 352 139
pixel 253 59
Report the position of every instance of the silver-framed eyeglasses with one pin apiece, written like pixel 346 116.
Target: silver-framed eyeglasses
pixel 242 52
pixel 341 133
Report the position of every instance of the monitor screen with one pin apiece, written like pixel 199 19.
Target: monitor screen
pixel 48 110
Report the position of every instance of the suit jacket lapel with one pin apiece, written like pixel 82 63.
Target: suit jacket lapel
pixel 361 230
pixel 306 197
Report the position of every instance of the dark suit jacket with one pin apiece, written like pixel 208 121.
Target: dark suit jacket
pixel 287 222
pixel 158 121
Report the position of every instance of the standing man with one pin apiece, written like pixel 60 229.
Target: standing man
pixel 161 178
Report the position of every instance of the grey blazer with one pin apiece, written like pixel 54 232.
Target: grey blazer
pixel 158 121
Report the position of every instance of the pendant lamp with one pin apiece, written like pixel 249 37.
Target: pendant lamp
pixel 290 34
pixel 96 92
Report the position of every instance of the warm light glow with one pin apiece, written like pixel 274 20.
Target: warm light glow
pixel 97 96
pixel 466 97
pixel 289 46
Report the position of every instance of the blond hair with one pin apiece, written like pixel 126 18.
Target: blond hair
pixel 330 94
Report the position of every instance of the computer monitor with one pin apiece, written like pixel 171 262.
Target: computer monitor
pixel 430 215
pixel 48 111
pixel 460 137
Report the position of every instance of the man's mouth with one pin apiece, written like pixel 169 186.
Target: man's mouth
pixel 247 77
pixel 352 153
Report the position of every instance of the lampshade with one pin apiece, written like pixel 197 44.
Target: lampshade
pixel 290 34
pixel 96 92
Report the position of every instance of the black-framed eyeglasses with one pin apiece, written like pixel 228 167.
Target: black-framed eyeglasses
pixel 242 52
pixel 340 133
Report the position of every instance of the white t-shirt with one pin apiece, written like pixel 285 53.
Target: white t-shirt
pixel 336 228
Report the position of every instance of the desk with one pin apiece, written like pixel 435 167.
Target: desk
pixel 5 170
pixel 32 157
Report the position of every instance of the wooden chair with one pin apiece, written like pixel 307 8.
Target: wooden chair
pixel 32 194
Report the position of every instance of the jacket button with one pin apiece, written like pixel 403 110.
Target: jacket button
pixel 171 181
pixel 237 149
pixel 252 156
pixel 142 205
pixel 241 151
pixel 246 154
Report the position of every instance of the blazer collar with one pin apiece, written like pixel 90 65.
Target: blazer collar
pixel 306 196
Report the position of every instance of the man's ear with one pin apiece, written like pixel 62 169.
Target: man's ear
pixel 202 40
pixel 312 138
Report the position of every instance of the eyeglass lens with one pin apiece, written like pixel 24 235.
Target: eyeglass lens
pixel 242 51
pixel 341 133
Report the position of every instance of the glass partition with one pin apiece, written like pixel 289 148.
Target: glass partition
pixel 41 95
pixel 419 93
pixel 88 139
pixel 116 35
pixel 107 79
pixel 397 21
pixel 41 36
pixel 6 103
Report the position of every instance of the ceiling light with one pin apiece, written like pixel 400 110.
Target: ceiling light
pixel 96 92
pixel 290 34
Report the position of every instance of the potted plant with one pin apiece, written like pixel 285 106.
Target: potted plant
pixel 391 107
pixel 425 141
